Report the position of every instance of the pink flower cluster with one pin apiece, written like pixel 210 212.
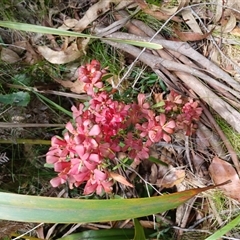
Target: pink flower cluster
pixel 184 111
pixel 104 128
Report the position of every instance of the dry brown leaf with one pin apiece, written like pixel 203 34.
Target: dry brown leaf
pixel 191 21
pixel 156 12
pixel 68 24
pixel 219 11
pixel 190 37
pixel 172 178
pixel 235 32
pixel 70 54
pixel 169 10
pixel 215 56
pixel 76 87
pixel 119 178
pixel 8 227
pixel 149 224
pixel 222 171
pixel 230 25
pixel 154 174
pixel 9 56
pixel 30 56
pixel 93 13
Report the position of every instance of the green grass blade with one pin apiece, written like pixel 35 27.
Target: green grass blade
pixel 136 43
pixel 47 30
pixel 218 234
pixel 55 105
pixel 105 234
pixel 139 231
pixel 120 234
pixel 41 29
pixel 24 208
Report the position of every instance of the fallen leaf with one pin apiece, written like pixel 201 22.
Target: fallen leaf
pixel 235 32
pixel 191 36
pixel 119 178
pixel 156 12
pixel 68 24
pixel 154 174
pixel 218 11
pixel 67 55
pixel 172 178
pixel 222 171
pixel 190 20
pixel 9 56
pixel 230 24
pixel 30 56
pixel 76 87
pixel 168 9
pixel 93 13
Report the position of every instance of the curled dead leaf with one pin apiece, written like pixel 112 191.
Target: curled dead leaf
pixel 93 13
pixel 222 171
pixel 76 87
pixel 157 12
pixel 168 9
pixel 191 36
pixel 230 24
pixel 235 32
pixel 30 56
pixel 68 24
pixel 191 21
pixel 172 178
pixel 119 178
pixel 67 55
pixel 9 56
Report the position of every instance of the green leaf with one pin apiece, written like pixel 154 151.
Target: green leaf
pixel 21 78
pixel 47 30
pixel 55 105
pixel 139 231
pixel 48 165
pixel 24 208
pixel 157 161
pixel 218 234
pixel 159 104
pixel 118 234
pixel 17 98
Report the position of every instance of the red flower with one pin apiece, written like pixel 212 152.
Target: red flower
pixel 167 127
pixel 104 127
pixel 91 75
pixel 191 110
pixel 173 101
pixel 99 182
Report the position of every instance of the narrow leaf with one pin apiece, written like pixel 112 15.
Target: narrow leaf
pixel 41 29
pixel 119 234
pixel 218 234
pixel 24 208
pixel 139 232
pixel 47 30
pixel 43 98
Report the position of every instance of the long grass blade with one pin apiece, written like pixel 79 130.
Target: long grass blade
pixel 105 234
pixel 218 234
pixel 47 30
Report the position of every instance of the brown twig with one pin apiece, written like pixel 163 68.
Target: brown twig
pixel 187 50
pixel 29 125
pixel 225 110
pixel 224 139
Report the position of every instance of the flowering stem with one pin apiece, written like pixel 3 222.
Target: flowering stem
pixel 26 141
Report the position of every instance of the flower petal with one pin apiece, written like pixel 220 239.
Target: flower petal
pixel 95 130
pixel 80 150
pixel 55 182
